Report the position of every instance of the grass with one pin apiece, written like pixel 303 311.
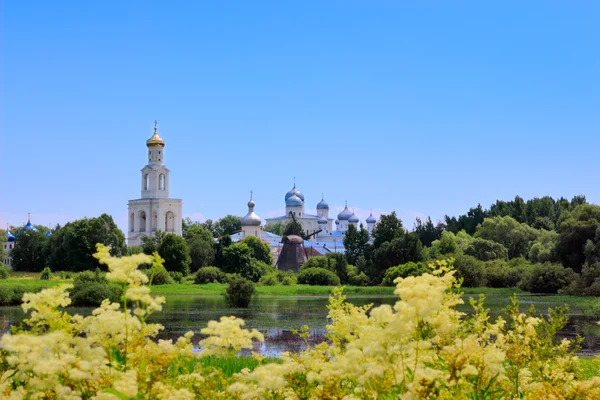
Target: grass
pixel 215 289
pixel 496 298
pixel 589 367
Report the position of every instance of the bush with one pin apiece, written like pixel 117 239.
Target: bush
pixel 288 280
pixel 91 288
pixel 239 292
pixel 547 278
pixel 64 275
pixel 91 294
pixel 359 279
pixel 46 274
pixel 158 275
pixel 269 280
pixel 318 276
pixel 402 271
pixel 177 276
pixel 6 295
pixel 3 272
pixel 278 278
pixel 209 275
pixel 470 269
pixel 587 283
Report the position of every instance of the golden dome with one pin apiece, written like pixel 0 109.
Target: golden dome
pixel 155 140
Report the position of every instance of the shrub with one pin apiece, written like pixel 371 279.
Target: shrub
pixel 158 275
pixel 318 276
pixel 269 280
pixel 64 275
pixel 177 276
pixel 587 283
pixel 6 295
pixel 547 278
pixel 359 279
pixel 91 294
pixel 470 269
pixel 90 288
pixel 209 275
pixel 402 271
pixel 18 292
pixel 239 292
pixel 3 272
pixel 46 274
pixel 278 278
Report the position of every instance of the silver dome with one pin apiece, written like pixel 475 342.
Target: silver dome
pixel 251 219
pixel 337 221
pixel 293 201
pixel 353 219
pixel 371 219
pixel 321 221
pixel 345 214
pixel 293 192
pixel 322 205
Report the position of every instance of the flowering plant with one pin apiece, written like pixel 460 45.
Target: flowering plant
pixel 420 348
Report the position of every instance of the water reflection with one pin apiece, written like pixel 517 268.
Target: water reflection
pixel 276 317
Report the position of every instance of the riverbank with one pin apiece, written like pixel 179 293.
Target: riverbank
pixel 496 298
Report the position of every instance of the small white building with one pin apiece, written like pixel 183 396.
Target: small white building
pixel 155 210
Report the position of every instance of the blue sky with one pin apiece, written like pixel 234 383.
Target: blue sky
pixel 426 109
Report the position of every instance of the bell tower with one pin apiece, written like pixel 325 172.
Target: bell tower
pixel 155 210
pixel 155 176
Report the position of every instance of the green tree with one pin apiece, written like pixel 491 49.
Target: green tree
pixel 220 246
pixel 202 247
pixel 387 229
pixel 30 251
pixel 150 244
pixel 516 237
pixel 72 246
pixel 174 250
pixel 356 243
pixel 238 259
pixel 542 249
pixel 2 241
pixel 575 229
pixel 277 228
pixel 228 225
pixel 339 266
pixel 447 244
pixel 427 231
pixel 486 250
pixel 400 250
pixel 260 250
pixel 293 228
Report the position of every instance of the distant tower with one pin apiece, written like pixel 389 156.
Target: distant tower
pixel 343 217
pixel 294 202
pixel 323 208
pixel 353 220
pixel 371 221
pixel 154 210
pixel 251 222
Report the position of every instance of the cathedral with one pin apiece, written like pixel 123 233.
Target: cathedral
pixel 155 210
pixel 320 225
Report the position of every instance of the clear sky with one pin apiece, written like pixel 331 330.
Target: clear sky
pixel 391 105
